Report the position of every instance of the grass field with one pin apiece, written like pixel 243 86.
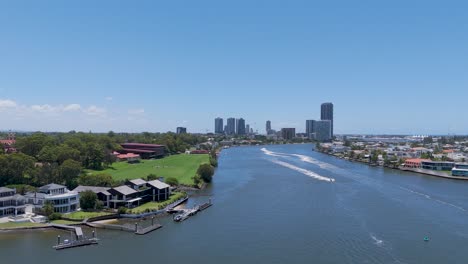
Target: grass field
pixel 19 225
pixel 151 206
pixel 80 215
pixel 182 167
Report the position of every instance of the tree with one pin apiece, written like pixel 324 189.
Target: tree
pixel 172 181
pixel 48 208
pixel 88 200
pixel 69 172
pixel 196 180
pixel 33 144
pixel 206 172
pixel 152 177
pixel 101 180
pixel 94 156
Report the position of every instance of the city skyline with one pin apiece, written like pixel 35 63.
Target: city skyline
pixel 141 69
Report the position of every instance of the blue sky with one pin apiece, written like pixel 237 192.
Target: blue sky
pixel 389 67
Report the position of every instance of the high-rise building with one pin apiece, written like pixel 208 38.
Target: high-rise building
pixel 240 126
pixel 181 130
pixel 288 133
pixel 219 125
pixel 310 128
pixel 268 127
pixel 327 114
pixel 231 126
pixel 247 129
pixel 322 130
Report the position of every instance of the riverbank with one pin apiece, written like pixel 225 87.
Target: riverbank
pixel 414 170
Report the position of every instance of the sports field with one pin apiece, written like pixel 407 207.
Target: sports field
pixel 182 167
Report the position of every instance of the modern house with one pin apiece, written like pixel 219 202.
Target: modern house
pixel 460 169
pixel 138 191
pixel 102 193
pixel 438 165
pixel 11 203
pixel 415 163
pixel 64 200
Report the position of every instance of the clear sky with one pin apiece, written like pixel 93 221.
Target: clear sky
pixel 388 66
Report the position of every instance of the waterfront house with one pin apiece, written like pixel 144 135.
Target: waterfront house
pixel 124 196
pixel 11 203
pixel 460 169
pixel 160 191
pixel 414 163
pixel 437 165
pixel 64 200
pixel 102 193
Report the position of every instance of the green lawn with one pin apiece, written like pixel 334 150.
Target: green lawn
pixel 64 222
pixel 182 167
pixel 80 215
pixel 20 225
pixel 151 206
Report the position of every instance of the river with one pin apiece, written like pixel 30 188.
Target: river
pixel 288 204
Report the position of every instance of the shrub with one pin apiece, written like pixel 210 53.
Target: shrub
pixel 172 181
pixel 55 216
pixel 122 210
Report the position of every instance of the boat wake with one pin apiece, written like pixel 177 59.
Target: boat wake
pixel 434 199
pixel 303 171
pixel 377 241
pixel 274 154
pixel 311 160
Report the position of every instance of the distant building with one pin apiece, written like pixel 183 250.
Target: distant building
pixel 437 165
pixel 11 203
pixel 181 130
pixel 9 143
pixel 64 201
pixel 268 127
pixel 288 133
pixel 322 130
pixel 310 128
pixel 240 126
pixel 219 127
pixel 327 114
pixel 146 151
pixel 231 126
pixel 247 129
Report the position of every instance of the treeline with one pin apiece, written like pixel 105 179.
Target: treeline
pixel 62 157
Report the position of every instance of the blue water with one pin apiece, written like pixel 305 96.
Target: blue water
pixel 288 204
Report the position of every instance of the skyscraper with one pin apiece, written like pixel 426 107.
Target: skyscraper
pixel 322 130
pixel 240 126
pixel 327 114
pixel 231 126
pixel 247 129
pixel 181 130
pixel 268 127
pixel 288 133
pixel 310 128
pixel 219 125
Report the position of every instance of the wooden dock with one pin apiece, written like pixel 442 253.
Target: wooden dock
pixel 186 213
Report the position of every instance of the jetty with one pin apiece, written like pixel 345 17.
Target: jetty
pixel 184 214
pixel 79 241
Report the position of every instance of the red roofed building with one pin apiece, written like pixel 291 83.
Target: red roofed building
pixel 146 151
pixel 414 163
pixel 130 157
pixel 8 144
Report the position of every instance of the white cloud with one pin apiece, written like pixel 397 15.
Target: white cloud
pixel 7 104
pixel 43 108
pixel 95 111
pixel 72 107
pixel 108 98
pixel 139 111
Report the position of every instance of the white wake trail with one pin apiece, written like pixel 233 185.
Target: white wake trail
pixel 304 171
pixel 311 160
pixel 434 199
pixel 274 154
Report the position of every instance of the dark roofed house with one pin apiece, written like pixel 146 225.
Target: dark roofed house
pixel 124 196
pixel 160 191
pixel 146 151
pixel 102 193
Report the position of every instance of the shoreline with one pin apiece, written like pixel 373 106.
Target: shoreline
pixel 413 170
